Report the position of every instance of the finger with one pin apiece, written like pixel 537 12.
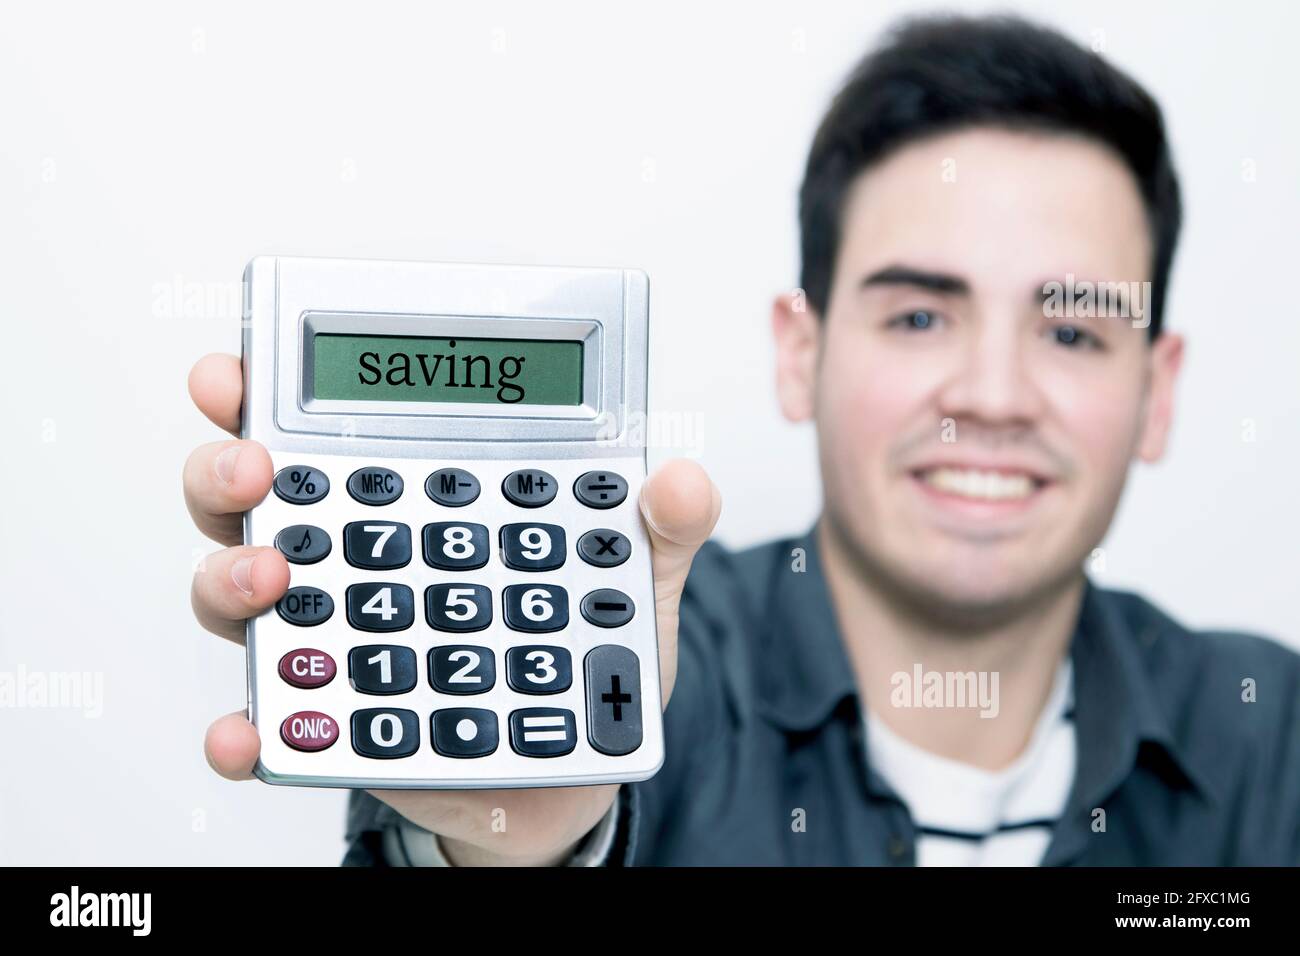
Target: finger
pixel 681 505
pixel 236 584
pixel 217 387
pixel 222 480
pixel 231 746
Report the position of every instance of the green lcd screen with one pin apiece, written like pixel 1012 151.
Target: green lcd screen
pixel 390 368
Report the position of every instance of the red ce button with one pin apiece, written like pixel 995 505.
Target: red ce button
pixel 307 667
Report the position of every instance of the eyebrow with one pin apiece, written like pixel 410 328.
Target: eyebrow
pixel 920 278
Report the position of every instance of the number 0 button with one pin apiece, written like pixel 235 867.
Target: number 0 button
pixel 385 733
pixel 379 606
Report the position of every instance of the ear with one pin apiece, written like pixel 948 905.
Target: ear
pixel 797 330
pixel 1166 360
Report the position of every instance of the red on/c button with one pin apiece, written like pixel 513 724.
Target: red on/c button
pixel 309 730
pixel 307 667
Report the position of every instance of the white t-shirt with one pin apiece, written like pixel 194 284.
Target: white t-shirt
pixel 967 816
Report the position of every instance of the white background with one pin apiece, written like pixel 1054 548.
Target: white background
pixel 149 148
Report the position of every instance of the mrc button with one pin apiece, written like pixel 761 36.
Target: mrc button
pixel 305 606
pixel 307 667
pixel 300 485
pixel 529 488
pixel 600 489
pixel 453 487
pixel 309 730
pixel 375 486
pixel 606 607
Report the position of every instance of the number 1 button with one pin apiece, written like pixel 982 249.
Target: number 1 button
pixel 379 606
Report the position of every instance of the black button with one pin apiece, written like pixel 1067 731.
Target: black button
pixel 539 669
pixel 533 547
pixel 382 669
pixel 536 607
pixel 529 488
pixel 600 489
pixel 453 487
pixel 464 732
pixel 455 545
pixel 375 486
pixel 542 731
pixel 303 543
pixel 305 606
pixel 604 548
pixel 613 699
pixel 300 485
pixel 606 607
pixel 377 545
pixel 385 733
pixel 462 669
pixel 380 606
pixel 458 607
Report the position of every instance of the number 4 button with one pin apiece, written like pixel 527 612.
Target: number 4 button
pixel 380 606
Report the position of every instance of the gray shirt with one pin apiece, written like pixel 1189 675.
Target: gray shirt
pixel 1188 743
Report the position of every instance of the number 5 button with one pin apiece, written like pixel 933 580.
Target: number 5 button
pixel 532 547
pixel 380 606
pixel 458 607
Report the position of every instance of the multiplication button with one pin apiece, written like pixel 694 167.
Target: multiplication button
pixel 600 489
pixel 529 488
pixel 300 485
pixel 606 607
pixel 604 548
pixel 452 487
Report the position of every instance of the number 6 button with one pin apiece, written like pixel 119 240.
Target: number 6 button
pixel 532 547
pixel 531 607
pixel 380 606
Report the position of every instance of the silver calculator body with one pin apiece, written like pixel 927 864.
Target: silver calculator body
pixel 472 646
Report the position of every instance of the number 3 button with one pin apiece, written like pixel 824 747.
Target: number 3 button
pixel 380 606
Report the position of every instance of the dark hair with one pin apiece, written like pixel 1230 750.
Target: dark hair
pixel 936 74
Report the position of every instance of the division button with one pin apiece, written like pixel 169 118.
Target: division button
pixel 604 548
pixel 543 731
pixel 309 730
pixel 300 485
pixel 529 488
pixel 385 733
pixel 305 606
pixel 453 487
pixel 375 486
pixel 613 678
pixel 464 731
pixel 600 489
pixel 307 667
pixel 303 543
pixel 606 607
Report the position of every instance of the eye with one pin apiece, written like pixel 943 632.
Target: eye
pixel 915 321
pixel 1073 337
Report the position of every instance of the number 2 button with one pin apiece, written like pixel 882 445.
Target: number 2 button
pixel 379 606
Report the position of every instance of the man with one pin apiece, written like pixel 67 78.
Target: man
pixel 928 676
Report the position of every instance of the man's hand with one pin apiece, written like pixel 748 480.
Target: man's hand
pixel 224 479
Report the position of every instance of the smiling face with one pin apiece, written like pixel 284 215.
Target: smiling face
pixel 973 445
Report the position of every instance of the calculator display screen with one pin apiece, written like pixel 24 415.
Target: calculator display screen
pixel 389 368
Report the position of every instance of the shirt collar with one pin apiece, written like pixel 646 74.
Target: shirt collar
pixel 805 674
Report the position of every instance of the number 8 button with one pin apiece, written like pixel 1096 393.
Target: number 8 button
pixel 455 545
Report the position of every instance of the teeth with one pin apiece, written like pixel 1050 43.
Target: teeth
pixel 989 485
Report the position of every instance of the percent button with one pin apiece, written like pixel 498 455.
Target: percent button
pixel 300 485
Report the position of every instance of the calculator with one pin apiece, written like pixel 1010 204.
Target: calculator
pixel 458 451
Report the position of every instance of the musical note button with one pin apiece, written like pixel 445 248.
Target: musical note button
pixel 303 543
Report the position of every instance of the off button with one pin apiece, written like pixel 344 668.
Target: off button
pixel 305 606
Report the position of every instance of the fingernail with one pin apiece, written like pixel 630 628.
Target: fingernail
pixel 242 574
pixel 225 463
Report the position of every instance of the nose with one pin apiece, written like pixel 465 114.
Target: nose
pixel 992 381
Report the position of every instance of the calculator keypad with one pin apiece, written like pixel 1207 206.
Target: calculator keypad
pixel 560 684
